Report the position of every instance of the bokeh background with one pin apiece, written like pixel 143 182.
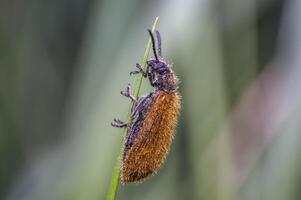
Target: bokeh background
pixel 63 63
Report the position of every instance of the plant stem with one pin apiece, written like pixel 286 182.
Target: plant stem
pixel 116 174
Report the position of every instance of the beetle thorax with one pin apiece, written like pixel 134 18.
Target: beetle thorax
pixel 161 76
pixel 168 82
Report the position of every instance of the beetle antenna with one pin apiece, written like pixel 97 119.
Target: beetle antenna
pixel 153 42
pixel 159 43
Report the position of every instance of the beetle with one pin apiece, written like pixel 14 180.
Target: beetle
pixel 153 119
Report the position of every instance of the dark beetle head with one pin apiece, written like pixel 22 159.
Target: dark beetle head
pixel 159 72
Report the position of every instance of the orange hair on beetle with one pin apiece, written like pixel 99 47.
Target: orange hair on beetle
pixel 153 140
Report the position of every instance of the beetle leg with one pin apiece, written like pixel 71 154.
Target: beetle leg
pixel 118 123
pixel 140 70
pixel 128 93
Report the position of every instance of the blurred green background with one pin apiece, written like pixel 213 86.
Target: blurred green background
pixel 63 63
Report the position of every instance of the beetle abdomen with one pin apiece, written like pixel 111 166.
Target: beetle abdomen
pixel 154 138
